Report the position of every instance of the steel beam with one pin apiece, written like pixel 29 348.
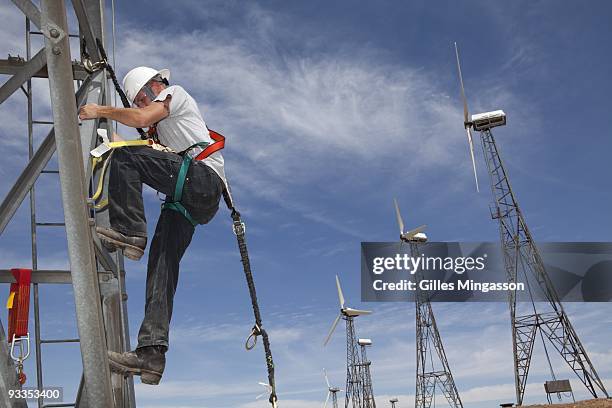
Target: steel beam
pixel 111 304
pixel 28 176
pixel 86 29
pixel 80 246
pixel 88 129
pixel 49 276
pixel 15 65
pixel 113 291
pixel 81 397
pixel 30 10
pixel 106 261
pixel 23 75
pixel 39 276
pixel 8 375
pixel 26 180
pixel 95 16
pixel 47 25
pixel 130 398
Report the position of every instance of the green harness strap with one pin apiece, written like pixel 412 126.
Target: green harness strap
pixel 174 203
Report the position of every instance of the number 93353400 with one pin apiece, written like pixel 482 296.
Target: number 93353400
pixel 53 394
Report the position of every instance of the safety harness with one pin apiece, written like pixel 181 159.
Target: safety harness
pixel 98 156
pixel 174 202
pixel 238 225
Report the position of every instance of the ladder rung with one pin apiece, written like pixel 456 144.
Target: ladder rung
pixel 42 122
pixel 50 171
pixel 69 35
pixel 50 224
pixel 59 341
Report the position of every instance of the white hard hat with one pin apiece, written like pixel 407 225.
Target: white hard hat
pixel 138 77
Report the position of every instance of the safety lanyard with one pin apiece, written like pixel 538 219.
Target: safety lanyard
pixel 174 203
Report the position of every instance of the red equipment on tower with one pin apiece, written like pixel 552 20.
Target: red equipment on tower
pixel 18 305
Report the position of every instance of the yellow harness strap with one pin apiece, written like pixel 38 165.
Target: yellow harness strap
pixel 98 156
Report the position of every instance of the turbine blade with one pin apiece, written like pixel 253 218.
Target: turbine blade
pixel 326 379
pixel 340 295
pixel 415 231
pixel 268 389
pixel 465 106
pixel 471 143
pixel 332 330
pixel 400 221
pixel 327 399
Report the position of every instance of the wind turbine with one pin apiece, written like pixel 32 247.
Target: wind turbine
pixel 331 392
pixel 266 392
pixel 415 235
pixel 522 257
pixel 428 338
pixel 345 312
pixel 354 383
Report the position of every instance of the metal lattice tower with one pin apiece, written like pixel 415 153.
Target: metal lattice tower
pixel 429 347
pixel 522 258
pixel 354 365
pixel 427 336
pixel 334 399
pixel 366 375
pixel 354 387
pixel 97 277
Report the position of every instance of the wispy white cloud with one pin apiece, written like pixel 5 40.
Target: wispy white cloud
pixel 296 121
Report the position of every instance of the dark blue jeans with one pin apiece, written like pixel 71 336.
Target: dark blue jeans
pixel 130 167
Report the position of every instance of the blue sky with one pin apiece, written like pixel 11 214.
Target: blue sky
pixel 331 109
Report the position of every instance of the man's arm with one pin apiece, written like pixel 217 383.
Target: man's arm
pixel 133 117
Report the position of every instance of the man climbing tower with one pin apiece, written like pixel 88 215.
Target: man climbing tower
pixel 193 190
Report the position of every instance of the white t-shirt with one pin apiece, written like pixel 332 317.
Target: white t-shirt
pixel 184 127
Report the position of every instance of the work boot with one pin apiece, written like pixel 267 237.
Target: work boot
pixel 133 247
pixel 147 362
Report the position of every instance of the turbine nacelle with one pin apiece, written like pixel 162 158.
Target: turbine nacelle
pixel 349 312
pixel 418 237
pixel 488 120
pixel 364 342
